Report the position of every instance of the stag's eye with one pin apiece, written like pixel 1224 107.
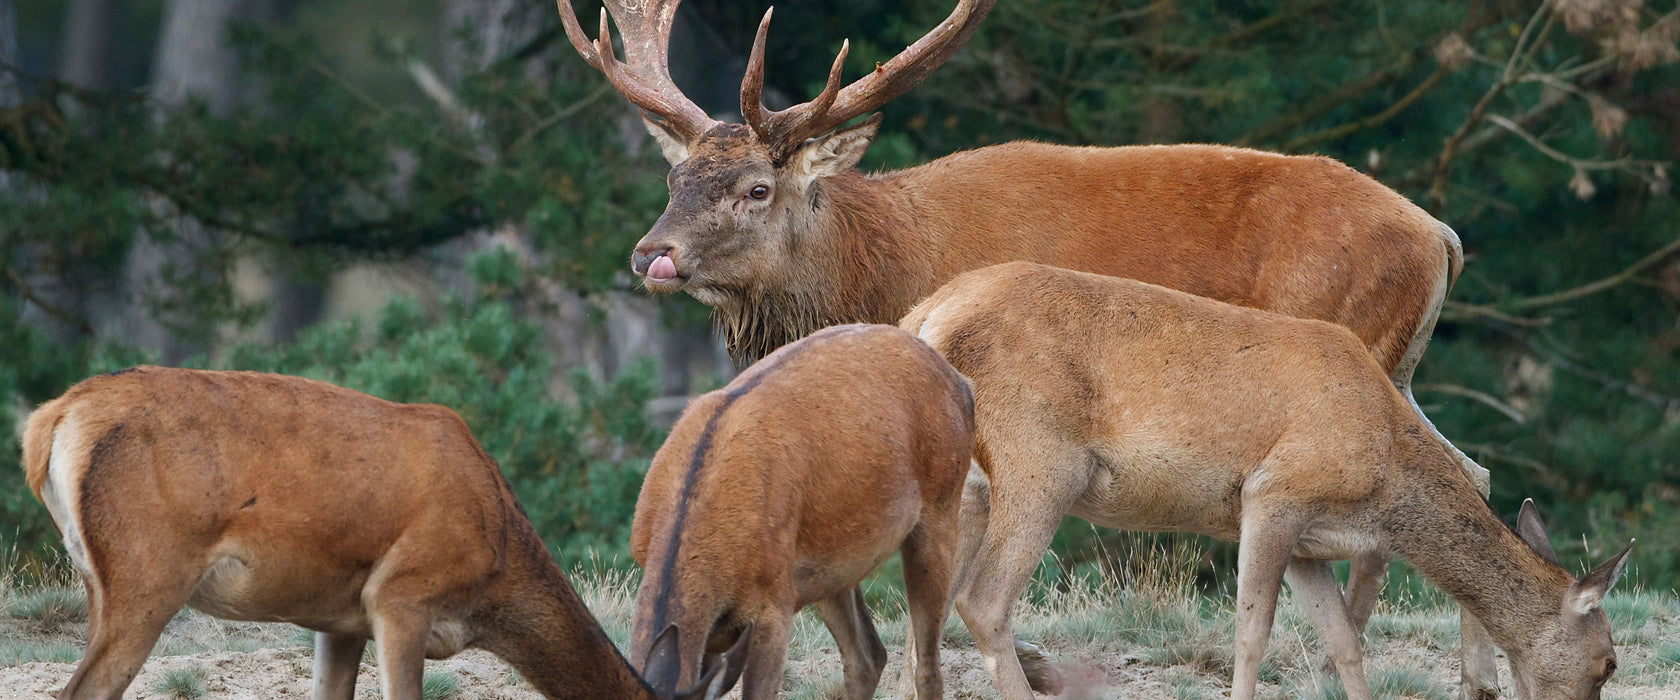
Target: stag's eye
pixel 759 192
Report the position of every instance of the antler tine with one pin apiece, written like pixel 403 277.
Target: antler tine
pixel 646 81
pixel 790 127
pixel 574 33
pixel 752 83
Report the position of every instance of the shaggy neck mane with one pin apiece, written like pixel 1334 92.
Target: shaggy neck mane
pixel 850 269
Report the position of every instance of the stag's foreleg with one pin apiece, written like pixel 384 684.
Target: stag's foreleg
pixel 1313 585
pixel 337 659
pixel 862 656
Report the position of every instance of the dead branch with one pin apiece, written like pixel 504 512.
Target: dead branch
pixel 1488 399
pixel 64 315
pixel 1339 131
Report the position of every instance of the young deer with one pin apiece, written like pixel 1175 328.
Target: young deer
pixel 786 487
pixel 272 498
pixel 1138 407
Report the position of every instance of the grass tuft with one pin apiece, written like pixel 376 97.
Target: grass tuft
pixel 182 683
pixel 1390 682
pixel 30 652
pixel 439 685
pixel 50 606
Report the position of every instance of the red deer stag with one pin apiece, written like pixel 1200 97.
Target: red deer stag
pixel 770 224
pixel 271 498
pixel 786 487
pixel 1139 407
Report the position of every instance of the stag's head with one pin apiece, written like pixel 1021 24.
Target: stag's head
pixel 1573 655
pixel 741 193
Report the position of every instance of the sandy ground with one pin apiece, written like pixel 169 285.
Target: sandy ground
pixel 1094 671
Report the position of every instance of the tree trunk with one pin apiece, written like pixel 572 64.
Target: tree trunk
pixel 84 56
pixel 9 94
pixel 194 59
pixel 194 62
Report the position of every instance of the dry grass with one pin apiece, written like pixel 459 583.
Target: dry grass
pixel 1138 628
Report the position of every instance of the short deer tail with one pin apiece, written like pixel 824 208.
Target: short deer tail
pixel 1455 254
pixel 37 443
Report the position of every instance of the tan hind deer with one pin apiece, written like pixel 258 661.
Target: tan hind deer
pixel 786 487
pixel 771 225
pixel 1138 407
pixel 272 498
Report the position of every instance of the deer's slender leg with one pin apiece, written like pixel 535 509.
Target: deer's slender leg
pixel 971 527
pixel 928 562
pixel 128 612
pixel 862 655
pixel 766 655
pixel 1263 553
pixel 337 659
pixel 1367 573
pixel 1314 587
pixel 1479 675
pixel 399 639
pixel 1023 519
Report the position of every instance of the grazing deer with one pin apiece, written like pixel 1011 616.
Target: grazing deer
pixel 1138 407
pixel 272 498
pixel 786 487
pixel 770 224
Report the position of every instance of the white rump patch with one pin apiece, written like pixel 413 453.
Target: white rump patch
pixel 62 491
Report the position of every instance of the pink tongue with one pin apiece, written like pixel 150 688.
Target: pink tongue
pixel 662 268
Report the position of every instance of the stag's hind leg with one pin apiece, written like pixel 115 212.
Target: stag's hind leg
pixel 862 656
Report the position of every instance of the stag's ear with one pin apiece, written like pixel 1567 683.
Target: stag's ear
pixel 1532 531
pixel 673 145
pixel 837 152
pixel 1589 592
pixel 663 664
pixel 719 673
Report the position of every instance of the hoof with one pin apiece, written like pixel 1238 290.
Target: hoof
pixel 1041 675
pixel 1469 693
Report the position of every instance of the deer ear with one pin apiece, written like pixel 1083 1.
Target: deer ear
pixel 837 152
pixel 674 146
pixel 720 672
pixel 1589 592
pixel 663 664
pixel 1532 531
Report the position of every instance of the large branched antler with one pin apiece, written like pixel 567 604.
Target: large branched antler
pixel 645 78
pixel 784 130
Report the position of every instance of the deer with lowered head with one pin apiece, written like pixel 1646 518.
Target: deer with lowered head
pixel 272 498
pixel 771 225
pixel 788 486
pixel 1138 407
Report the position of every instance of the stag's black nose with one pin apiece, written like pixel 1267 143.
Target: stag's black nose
pixel 644 255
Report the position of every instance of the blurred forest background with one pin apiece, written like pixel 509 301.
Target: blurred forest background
pixel 434 200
